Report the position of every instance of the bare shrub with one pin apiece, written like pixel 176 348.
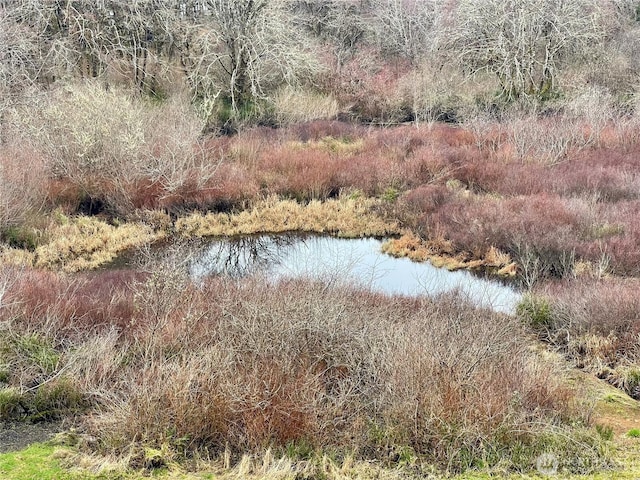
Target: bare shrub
pixel 450 360
pixel 304 173
pixel 61 307
pixel 269 365
pixel 403 28
pixel 442 93
pixel 173 155
pixel 619 233
pixel 375 97
pixel 603 174
pixel 546 141
pixel 628 131
pixel 592 108
pixel 240 366
pixel 110 144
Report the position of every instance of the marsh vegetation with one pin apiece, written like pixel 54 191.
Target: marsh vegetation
pixel 497 137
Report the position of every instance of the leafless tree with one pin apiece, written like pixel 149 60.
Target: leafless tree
pixel 239 50
pixel 404 27
pixel 18 52
pixel 524 43
pixel 338 25
pixel 136 32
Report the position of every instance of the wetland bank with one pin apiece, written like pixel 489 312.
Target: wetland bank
pixel 300 344
pixel 161 362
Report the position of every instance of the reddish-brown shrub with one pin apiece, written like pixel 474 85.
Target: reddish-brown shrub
pixel 546 226
pixel 305 173
pixel 607 175
pixel 451 135
pixel 65 307
pixel 251 364
pixel 491 175
pixel 23 178
pixel 603 306
pixel 370 87
pixel 617 235
pixel 428 199
pixel 63 193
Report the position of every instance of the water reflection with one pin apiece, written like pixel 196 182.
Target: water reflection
pixel 338 261
pixel 241 256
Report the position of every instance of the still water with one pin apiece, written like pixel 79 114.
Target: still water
pixel 357 262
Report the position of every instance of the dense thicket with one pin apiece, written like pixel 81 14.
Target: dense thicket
pixel 383 60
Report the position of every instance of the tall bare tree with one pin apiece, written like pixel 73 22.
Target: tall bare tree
pixel 405 27
pixel 339 26
pixel 524 43
pixel 240 50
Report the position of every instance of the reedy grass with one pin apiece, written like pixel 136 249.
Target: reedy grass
pixel 441 254
pixel 82 243
pixel 344 217
pixel 51 462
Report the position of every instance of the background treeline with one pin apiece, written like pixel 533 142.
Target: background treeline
pixel 281 61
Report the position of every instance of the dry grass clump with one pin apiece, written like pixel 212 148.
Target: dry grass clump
pixel 345 217
pixel 295 106
pixel 82 243
pixel 87 243
pixel 241 366
pixel 441 254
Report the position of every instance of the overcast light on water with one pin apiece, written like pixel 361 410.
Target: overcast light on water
pixel 346 261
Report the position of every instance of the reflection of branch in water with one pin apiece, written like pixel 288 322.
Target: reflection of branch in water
pixel 241 256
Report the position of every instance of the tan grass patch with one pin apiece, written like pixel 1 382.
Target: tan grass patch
pixel 440 253
pixel 339 146
pixel 266 466
pixel 496 257
pixel 294 106
pixel 345 217
pixel 408 245
pixel 82 243
pixel 85 243
pixel 15 256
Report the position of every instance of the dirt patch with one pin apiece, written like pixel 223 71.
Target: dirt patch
pixel 18 435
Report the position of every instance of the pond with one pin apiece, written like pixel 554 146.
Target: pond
pixel 357 262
